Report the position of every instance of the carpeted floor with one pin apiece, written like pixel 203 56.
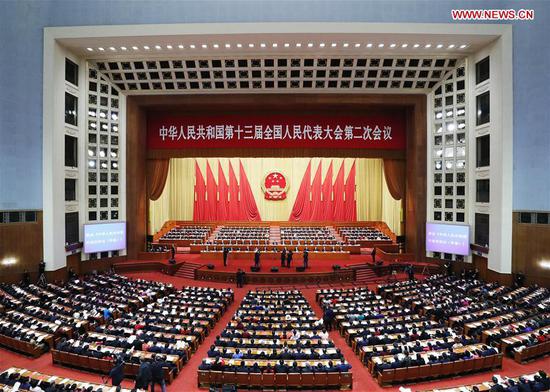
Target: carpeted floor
pixel 187 379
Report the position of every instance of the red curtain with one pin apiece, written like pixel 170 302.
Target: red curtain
pixel 338 191
pixel 327 195
pixel 316 207
pixel 211 194
pixel 157 172
pixel 199 206
pixel 350 203
pixel 394 171
pixel 300 211
pixel 233 211
pixel 248 203
pixel 223 189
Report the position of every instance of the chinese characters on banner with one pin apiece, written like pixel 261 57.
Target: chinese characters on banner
pixel 371 132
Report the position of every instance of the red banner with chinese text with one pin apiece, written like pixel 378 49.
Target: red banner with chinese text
pixel 276 131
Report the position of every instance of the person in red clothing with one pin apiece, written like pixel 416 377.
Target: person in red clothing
pixel 542 337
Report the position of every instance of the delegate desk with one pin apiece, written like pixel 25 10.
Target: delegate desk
pixel 529 352
pixel 277 249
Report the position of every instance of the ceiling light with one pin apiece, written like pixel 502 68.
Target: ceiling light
pixel 168 46
pixel 380 45
pixel 113 154
pixel 146 47
pixel 439 46
pixel 310 45
pixel 100 49
pixel 91 153
pixel 180 46
pixel 369 45
pixel 192 46
pixel 135 48
pixel 404 45
pixel 104 165
pixel 274 45
pixel 333 44
pixel 428 45
pixel 461 125
pixel 262 45
pixel 322 45
pixel 287 45
pixel 451 127
pixel 357 45
pixel 89 49
pixel 204 46
pixel 112 48
pixel 123 48
pixel 463 46
pixel 115 165
pixel 91 163
pixel 345 45
pixel 393 45
pixel 239 45
pixel 451 46
pixel 416 45
pixel 250 45
pixel 102 154
pixel 298 45
pixel 228 46
pixel 115 128
pixel 216 46
pixel 158 47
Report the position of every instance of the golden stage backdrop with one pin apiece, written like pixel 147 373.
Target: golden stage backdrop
pixel 374 202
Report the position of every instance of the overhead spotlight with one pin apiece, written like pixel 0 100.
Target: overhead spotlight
pixel 250 45
pixel 262 45
pixel 345 45
pixel 102 154
pixel 298 45
pixel 91 163
pixel 113 154
pixel 333 44
pixel 239 45
pixel 380 45
pixel 357 45
pixel 439 46
pixel 180 46
pixel 93 125
pixel 135 48
pixel 115 165
pixel 463 46
pixel 104 165
pixel 114 116
pixel 416 45
pixel 216 46
pixel 158 47
pixel 115 128
pixel 91 153
pixel 393 45
pixel 404 45
pixel 204 46
pixel 451 46
pixel 310 45
pixel 123 48
pixel 369 45
pixel 112 48
pixel 228 46
pixel 100 49
pixel 287 45
pixel 274 44
pixel 451 127
pixel 89 49
pixel 461 125
pixel 104 126
pixel 168 46
pixel 146 47
pixel 322 45
pixel 192 46
pixel 428 45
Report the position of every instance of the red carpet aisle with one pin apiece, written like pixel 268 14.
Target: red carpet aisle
pixel 187 379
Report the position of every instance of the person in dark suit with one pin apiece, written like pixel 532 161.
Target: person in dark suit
pixel 373 254
pixel 283 257
pixel 225 254
pixel 496 387
pixel 288 258
pixel 117 373
pixel 240 278
pixel 144 375
pixel 157 374
pixel 257 255
pixel 306 258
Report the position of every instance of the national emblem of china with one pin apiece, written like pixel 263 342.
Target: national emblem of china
pixel 275 186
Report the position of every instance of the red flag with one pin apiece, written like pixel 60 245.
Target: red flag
pixel 223 190
pixel 233 211
pixel 316 209
pixel 350 203
pixel 200 192
pixel 300 211
pixel 248 203
pixel 211 194
pixel 326 208
pixel 338 191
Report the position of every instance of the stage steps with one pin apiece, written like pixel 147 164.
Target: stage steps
pixel 364 274
pixel 274 234
pixel 336 234
pixel 187 270
pixel 214 233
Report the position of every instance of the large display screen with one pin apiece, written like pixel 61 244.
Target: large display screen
pixel 104 237
pixel 454 239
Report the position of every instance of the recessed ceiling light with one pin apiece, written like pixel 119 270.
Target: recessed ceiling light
pixel 287 45
pixel 146 47
pixel 228 46
pixel 380 45
pixel 250 45
pixel 262 45
pixel 239 45
pixel 100 49
pixel 216 46
pixel 89 49
pixel 322 45
pixel 345 45
pixel 123 48
pixel 416 45
pixel 404 45
pixel 369 45
pixel 463 46
pixel 298 45
pixel 135 48
pixel 393 45
pixel 357 45
pixel 439 46
pixel 274 44
pixel 112 48
pixel 451 46
pixel 310 45
pixel 192 46
pixel 158 47
pixel 180 46
pixel 333 44
pixel 168 46
pixel 428 45
pixel 204 46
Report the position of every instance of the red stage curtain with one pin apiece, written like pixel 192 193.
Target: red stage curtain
pixel 248 203
pixel 350 203
pixel 394 171
pixel 327 196
pixel 223 189
pixel 339 213
pixel 199 206
pixel 211 194
pixel 233 210
pixel 316 207
pixel 157 172
pixel 300 211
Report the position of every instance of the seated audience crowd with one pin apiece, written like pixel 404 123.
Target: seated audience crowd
pixel 191 233
pixel 354 234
